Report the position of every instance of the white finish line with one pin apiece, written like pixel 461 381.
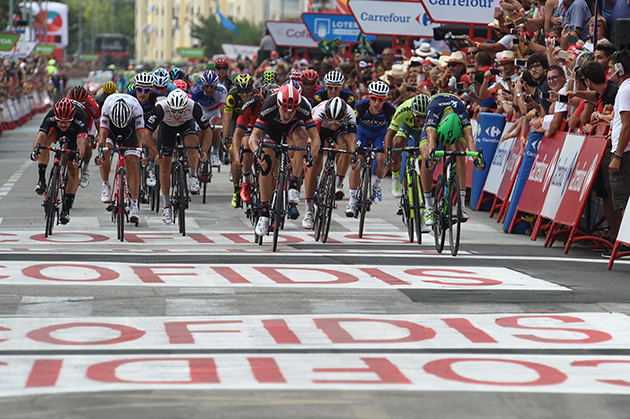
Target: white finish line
pixel 263 275
pixel 22 375
pixel 589 331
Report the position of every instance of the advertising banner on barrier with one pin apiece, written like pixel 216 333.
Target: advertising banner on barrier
pixel 405 18
pixel 233 51
pixel 539 179
pixel 499 164
pixel 624 230
pixel 490 128
pixel 331 26
pixel 290 34
pixel 562 174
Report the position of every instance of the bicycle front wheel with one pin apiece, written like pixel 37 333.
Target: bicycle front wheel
pixel 329 204
pixel 318 217
pixel 278 209
pixel 416 207
pixel 406 208
pixel 363 204
pixel 439 228
pixel 50 201
pixel 454 214
pixel 183 200
pixel 120 206
pixel 205 178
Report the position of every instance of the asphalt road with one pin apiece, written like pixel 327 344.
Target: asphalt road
pixel 213 325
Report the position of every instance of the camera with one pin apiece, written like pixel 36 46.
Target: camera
pixel 495 71
pixel 571 27
pixel 460 86
pixel 520 63
pixel 563 98
pixel 410 88
pixel 546 96
pixel 563 55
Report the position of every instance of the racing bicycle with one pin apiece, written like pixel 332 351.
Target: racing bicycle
pixel 412 200
pixel 364 192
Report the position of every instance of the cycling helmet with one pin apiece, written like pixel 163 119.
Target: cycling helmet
pixel 334 78
pixel 143 80
pixel 176 73
pixel 419 105
pixel 210 65
pixel 336 109
pixel 270 76
pixel 78 93
pixel 295 84
pixel 131 87
pixel 222 61
pixel 65 110
pixel 110 88
pixel 296 75
pixel 177 99
pixel 180 84
pixel 310 75
pixel 289 98
pixel 244 82
pixel 267 89
pixel 378 88
pixel 209 78
pixel 449 129
pixel 160 78
pixel 120 113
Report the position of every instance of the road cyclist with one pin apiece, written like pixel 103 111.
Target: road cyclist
pixel 81 99
pixel 176 115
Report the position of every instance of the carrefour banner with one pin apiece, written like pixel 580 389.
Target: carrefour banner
pixel 461 11
pixel 51 22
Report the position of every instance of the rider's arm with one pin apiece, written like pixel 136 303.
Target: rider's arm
pixel 254 139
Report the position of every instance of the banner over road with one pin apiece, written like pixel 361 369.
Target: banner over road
pixel 290 34
pixel 331 26
pixel 462 12
pixel 403 18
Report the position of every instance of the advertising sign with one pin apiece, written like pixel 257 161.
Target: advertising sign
pixel 233 51
pixel 290 34
pixel 392 18
pixel 191 52
pixel 331 26
pixel 44 49
pixel 90 57
pixel 51 18
pixel 8 41
pixel 499 164
pixel 462 12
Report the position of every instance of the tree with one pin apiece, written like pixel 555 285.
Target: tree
pixel 211 34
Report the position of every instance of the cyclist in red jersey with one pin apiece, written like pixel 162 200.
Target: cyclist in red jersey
pixel 80 95
pixel 309 84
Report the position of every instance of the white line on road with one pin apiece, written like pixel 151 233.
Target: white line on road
pixel 6 188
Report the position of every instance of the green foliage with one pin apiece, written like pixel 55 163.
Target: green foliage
pixel 211 34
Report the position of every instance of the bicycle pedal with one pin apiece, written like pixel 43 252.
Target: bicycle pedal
pixel 110 208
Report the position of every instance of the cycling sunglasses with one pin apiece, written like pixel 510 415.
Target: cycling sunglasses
pixel 377 98
pixel 143 90
pixel 177 111
pixel 308 83
pixel 334 122
pixel 64 121
pixel 333 87
pixel 222 68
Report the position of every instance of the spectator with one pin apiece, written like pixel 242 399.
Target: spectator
pixel 388 58
pixel 619 165
pixel 573 12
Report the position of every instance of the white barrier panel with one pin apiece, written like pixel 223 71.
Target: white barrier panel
pixel 624 230
pixel 561 176
pixel 6 116
pixel 499 163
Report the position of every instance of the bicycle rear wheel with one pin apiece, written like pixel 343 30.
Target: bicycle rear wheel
pixel 454 214
pixel 364 188
pixel 120 206
pixel 319 210
pixel 183 200
pixel 205 179
pixel 278 209
pixel 439 228
pixel 416 207
pixel 329 204
pixel 50 202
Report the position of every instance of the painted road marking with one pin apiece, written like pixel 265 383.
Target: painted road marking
pixel 268 275
pixel 9 184
pixel 577 374
pixel 304 333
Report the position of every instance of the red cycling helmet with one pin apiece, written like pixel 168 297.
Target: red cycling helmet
pixel 296 75
pixel 65 110
pixel 180 84
pixel 222 61
pixel 310 75
pixel 289 98
pixel 78 93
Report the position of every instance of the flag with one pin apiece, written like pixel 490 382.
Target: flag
pixel 227 24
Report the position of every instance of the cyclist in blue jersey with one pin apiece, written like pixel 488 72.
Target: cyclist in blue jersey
pixel 447 122
pixel 373 117
pixel 211 96
pixel 143 91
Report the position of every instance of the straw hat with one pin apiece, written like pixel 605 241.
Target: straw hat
pixel 398 70
pixel 506 56
pixel 458 57
pixel 425 50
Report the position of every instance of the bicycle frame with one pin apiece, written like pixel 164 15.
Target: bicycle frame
pixel 364 193
pixel 412 200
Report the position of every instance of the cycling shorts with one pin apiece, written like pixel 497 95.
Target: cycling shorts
pixel 277 132
pixel 167 134
pixel 365 137
pixel 130 139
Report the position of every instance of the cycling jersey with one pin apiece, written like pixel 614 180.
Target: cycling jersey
pixel 310 97
pixel 99 98
pixel 210 104
pixel 371 122
pixel 171 86
pixel 403 114
pixel 322 95
pixel 233 101
pixel 228 83
pixel 269 118
pixel 78 127
pixel 91 109
pixel 149 105
pixel 441 103
pixel 249 112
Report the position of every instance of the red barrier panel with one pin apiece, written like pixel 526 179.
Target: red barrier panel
pixel 536 187
pixel 576 196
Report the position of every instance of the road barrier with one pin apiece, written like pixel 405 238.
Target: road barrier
pixel 17 111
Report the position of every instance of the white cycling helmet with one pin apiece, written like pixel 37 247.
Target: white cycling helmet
pixel 143 80
pixel 161 78
pixel 378 88
pixel 177 99
pixel 336 109
pixel 334 78
pixel 120 113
